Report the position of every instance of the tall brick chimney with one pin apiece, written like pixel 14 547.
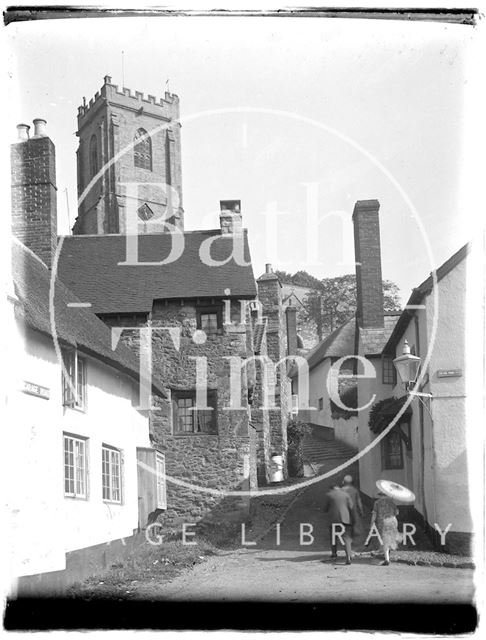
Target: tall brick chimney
pixel 369 286
pixel 34 191
pixel 292 342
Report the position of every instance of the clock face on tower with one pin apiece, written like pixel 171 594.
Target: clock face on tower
pixel 145 213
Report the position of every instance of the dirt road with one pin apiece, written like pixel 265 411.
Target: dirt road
pixel 296 571
pixel 303 577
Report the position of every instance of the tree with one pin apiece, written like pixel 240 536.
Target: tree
pixel 300 279
pixel 334 302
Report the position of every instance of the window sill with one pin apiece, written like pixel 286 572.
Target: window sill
pixel 192 434
pixel 120 504
pixel 81 498
pixel 82 409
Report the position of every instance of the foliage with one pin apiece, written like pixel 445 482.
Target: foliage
pixel 348 392
pixel 383 412
pixel 300 279
pixel 334 302
pixel 296 431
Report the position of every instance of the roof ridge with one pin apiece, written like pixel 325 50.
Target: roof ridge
pixel 29 250
pixel 149 235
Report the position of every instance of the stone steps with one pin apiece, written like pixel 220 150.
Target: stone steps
pixel 317 451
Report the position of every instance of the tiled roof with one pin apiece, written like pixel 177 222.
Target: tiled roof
pixel 89 265
pixel 337 344
pixel 374 340
pixel 76 326
pixel 342 341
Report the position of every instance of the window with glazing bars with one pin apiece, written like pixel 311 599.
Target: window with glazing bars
pixel 74 380
pixel 391 451
pixel 189 419
pixel 111 474
pixel 389 371
pixel 142 151
pixel 75 467
pixel 209 319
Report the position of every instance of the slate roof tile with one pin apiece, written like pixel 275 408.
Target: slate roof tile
pixel 89 266
pixel 75 326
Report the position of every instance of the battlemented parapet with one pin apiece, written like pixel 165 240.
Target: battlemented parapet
pixel 166 108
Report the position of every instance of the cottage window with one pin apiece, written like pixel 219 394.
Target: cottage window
pixel 93 156
pixel 391 451
pixel 75 467
pixel 209 319
pixel 188 418
pixel 74 380
pixel 142 151
pixel 111 473
pixel 389 371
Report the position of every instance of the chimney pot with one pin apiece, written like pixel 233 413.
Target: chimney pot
pixel 40 128
pixel 230 205
pixel 23 132
pixel 107 79
pixel 230 216
pixel 268 268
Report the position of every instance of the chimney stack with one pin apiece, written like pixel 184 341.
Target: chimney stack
pixel 33 185
pixel 292 344
pixel 230 216
pixel 369 285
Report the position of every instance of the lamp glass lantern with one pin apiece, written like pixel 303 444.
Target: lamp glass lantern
pixel 407 366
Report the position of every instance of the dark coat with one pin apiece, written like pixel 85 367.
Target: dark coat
pixel 339 505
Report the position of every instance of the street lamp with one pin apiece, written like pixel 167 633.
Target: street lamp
pixel 407 366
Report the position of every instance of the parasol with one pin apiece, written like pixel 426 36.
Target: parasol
pixel 396 491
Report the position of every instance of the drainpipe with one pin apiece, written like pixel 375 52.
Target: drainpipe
pixel 432 436
pixel 422 438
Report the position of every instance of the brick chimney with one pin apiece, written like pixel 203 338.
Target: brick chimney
pixel 34 192
pixel 230 216
pixel 292 344
pixel 369 286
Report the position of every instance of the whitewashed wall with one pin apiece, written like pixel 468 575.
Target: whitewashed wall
pixel 45 523
pixel 318 389
pixel 442 478
pixel 346 431
pixel 451 497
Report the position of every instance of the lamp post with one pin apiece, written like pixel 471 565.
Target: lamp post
pixel 407 366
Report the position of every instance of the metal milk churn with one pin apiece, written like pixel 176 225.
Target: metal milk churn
pixel 276 468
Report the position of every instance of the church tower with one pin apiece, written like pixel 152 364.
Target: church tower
pixel 129 163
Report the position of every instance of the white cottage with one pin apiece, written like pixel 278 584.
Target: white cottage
pixel 426 450
pixel 74 496
pixel 83 476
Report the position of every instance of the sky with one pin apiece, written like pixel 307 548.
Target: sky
pixel 298 116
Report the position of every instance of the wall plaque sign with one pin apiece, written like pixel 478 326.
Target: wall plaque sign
pixel 449 373
pixel 35 390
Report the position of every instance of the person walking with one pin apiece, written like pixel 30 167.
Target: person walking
pixel 357 511
pixel 339 505
pixel 384 515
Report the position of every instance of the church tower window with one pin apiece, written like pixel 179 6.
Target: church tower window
pixel 93 156
pixel 143 150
